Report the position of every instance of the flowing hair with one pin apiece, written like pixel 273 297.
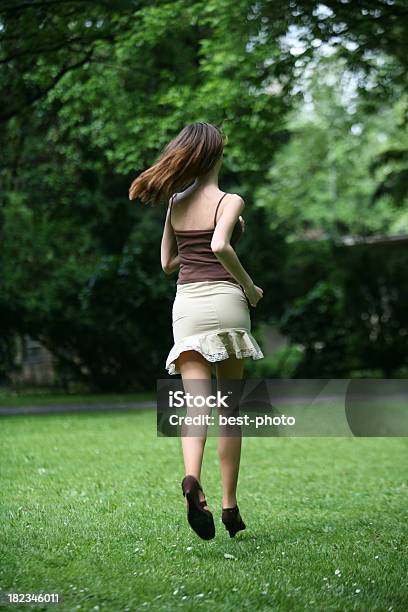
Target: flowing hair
pixel 192 153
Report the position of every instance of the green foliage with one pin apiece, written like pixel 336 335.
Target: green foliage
pixel 92 91
pixel 336 174
pixel 355 317
pixel 283 363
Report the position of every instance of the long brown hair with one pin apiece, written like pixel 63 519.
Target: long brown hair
pixel 192 153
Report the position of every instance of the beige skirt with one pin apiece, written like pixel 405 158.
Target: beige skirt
pixel 212 318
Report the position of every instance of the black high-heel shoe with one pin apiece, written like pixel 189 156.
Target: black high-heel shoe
pixel 200 520
pixel 232 520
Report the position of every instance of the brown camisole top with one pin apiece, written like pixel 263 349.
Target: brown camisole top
pixel 197 260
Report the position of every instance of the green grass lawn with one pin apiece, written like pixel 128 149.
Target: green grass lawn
pixel 92 508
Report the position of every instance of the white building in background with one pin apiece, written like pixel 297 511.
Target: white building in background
pixel 35 364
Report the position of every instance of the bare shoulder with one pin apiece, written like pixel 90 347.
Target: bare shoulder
pixel 235 200
pixel 181 196
pixel 173 199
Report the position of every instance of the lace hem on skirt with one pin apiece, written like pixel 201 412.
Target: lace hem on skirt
pixel 216 346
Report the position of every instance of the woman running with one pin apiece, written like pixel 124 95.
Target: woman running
pixel 210 315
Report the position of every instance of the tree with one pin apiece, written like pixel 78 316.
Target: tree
pixel 91 93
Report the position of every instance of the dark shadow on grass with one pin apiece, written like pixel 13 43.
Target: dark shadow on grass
pixel 329 531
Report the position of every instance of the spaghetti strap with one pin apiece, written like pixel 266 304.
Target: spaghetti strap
pixel 216 210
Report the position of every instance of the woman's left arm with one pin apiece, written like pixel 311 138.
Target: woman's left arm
pixel 170 260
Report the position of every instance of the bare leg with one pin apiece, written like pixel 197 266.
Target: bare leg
pixel 229 447
pixel 194 367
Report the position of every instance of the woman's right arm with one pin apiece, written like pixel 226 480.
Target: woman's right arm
pixel 170 259
pixel 221 247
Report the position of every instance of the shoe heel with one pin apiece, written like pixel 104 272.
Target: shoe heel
pixel 200 520
pixel 232 521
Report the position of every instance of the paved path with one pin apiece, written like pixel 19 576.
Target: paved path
pixel 152 404
pixel 63 408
